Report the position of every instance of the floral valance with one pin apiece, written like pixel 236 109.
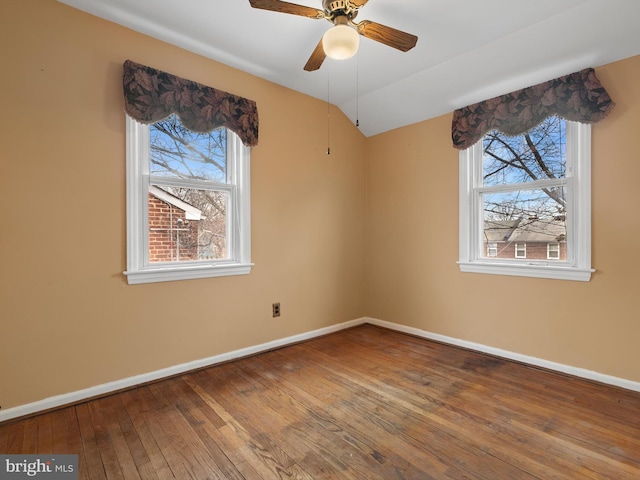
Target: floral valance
pixel 151 95
pixel 578 97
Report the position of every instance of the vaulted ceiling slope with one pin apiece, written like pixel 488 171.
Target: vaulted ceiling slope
pixel 467 50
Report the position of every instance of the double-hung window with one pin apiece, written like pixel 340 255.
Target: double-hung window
pixel 528 191
pixel 525 178
pixel 553 251
pixel 521 250
pixel 188 192
pixel 188 212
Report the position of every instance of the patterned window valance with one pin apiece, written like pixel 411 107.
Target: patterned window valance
pixel 578 97
pixel 151 95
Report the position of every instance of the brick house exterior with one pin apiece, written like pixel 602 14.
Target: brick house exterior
pixel 173 228
pixel 531 239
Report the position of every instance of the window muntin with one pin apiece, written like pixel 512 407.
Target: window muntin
pixel 511 166
pixel 545 203
pixel 553 251
pixel 187 203
pixel 189 170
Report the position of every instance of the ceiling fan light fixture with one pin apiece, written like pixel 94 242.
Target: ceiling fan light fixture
pixel 340 42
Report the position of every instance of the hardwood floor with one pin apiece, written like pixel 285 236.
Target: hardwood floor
pixel 365 403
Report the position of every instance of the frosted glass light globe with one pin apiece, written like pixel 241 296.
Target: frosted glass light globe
pixel 340 42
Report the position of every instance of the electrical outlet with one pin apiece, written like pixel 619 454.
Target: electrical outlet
pixel 276 309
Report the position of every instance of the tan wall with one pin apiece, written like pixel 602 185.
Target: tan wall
pixel 412 248
pixel 68 318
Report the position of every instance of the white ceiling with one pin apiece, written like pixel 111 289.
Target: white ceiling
pixel 467 50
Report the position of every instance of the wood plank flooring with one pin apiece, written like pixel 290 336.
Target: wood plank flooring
pixel 365 403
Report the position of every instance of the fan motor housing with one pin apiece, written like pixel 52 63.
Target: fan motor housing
pixel 338 7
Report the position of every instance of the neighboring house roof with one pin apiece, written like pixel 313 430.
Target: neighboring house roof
pixel 526 230
pixel 500 230
pixel 191 212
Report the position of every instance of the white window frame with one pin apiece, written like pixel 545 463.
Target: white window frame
pixel 139 270
pixel 492 249
pixel 578 183
pixel 557 251
pixel 523 249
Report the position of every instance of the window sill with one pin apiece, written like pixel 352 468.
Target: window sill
pixel 190 272
pixel 557 272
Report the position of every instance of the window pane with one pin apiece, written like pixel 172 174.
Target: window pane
pixel 187 224
pixel 176 151
pixel 538 154
pixel 525 222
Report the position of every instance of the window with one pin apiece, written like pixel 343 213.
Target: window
pixel 188 212
pixel 492 249
pixel 528 191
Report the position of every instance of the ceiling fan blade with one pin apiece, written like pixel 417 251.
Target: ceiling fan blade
pixel 387 35
pixel 286 7
pixel 316 58
pixel 358 3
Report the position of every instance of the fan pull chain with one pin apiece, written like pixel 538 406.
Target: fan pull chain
pixel 328 114
pixel 357 92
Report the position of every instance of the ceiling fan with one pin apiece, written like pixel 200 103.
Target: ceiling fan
pixel 341 41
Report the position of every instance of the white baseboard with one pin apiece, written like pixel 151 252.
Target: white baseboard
pixel 106 388
pixel 538 362
pixel 99 390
